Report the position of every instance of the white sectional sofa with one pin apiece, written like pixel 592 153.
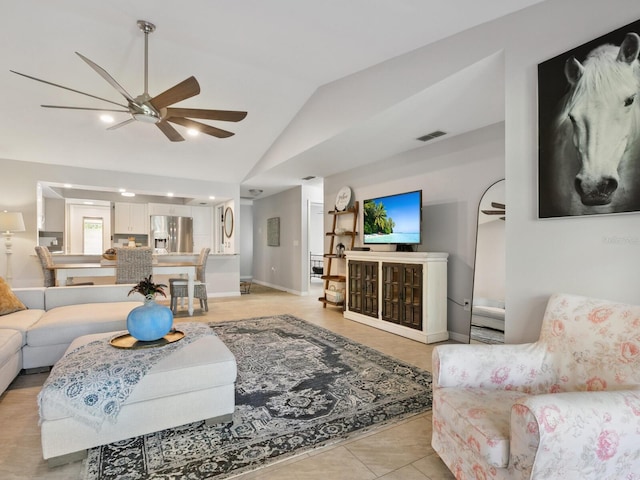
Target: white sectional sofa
pixel 55 316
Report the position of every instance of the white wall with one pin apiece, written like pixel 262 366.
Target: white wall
pixel 279 267
pixel 573 255
pixel 246 238
pixel 453 174
pixel 285 267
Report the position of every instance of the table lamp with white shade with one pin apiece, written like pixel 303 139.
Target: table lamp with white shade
pixel 10 222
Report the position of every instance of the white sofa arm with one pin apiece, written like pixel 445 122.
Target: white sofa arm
pixel 517 367
pixel 581 435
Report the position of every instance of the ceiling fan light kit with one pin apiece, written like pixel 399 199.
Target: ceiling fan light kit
pixel 156 110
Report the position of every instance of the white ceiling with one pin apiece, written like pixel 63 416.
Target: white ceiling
pixel 265 57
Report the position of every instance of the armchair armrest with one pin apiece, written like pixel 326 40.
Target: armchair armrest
pixel 586 435
pixel 495 367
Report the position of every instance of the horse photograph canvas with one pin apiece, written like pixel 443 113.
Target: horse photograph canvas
pixel 589 128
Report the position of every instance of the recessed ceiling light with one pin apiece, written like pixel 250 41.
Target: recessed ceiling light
pixel 67 185
pixel 128 194
pixel 122 190
pixel 193 132
pixel 170 194
pixel 106 118
pixel 212 197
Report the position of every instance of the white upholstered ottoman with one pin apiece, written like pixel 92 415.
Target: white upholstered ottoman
pixel 195 382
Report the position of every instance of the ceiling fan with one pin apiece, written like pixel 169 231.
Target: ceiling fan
pixel 147 109
pixel 499 209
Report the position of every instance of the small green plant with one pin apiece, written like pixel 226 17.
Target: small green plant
pixel 148 289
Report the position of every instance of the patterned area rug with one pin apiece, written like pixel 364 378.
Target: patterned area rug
pixel 299 387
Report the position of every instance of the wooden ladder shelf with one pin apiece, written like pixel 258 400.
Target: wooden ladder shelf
pixel 332 255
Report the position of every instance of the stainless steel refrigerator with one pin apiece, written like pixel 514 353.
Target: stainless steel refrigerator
pixel 172 234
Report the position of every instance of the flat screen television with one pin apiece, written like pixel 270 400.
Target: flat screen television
pixel 393 219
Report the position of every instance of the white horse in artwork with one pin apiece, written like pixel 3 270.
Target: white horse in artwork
pixel 596 164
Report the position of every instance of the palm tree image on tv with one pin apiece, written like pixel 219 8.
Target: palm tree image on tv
pixel 393 219
pixel 376 221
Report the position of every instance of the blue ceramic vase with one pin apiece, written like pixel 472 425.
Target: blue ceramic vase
pixel 150 321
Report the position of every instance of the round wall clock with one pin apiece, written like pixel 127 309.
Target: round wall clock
pixel 343 199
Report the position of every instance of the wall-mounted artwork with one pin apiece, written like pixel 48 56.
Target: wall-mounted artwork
pixel 273 232
pixel 589 128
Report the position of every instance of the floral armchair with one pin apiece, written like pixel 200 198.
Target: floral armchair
pixel 564 407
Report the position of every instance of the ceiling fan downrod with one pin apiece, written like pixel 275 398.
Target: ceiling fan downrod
pixel 147 28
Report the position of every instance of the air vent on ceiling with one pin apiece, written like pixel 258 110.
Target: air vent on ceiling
pixel 431 136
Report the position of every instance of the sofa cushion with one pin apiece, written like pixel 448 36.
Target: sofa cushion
pixel 9 303
pixel 21 321
pixel 479 418
pixel 63 324
pixel 10 343
pixel 62 296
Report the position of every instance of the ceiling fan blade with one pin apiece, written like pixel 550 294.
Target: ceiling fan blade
pixel 85 108
pixel 171 133
pixel 201 127
pixel 121 124
pixel 224 115
pixel 498 205
pixel 183 90
pixel 110 80
pixel 67 88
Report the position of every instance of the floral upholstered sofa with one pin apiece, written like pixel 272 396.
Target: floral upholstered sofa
pixel 564 407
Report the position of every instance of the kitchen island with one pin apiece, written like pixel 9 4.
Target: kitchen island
pixel 223 270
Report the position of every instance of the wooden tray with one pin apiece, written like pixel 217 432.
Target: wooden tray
pixel 129 342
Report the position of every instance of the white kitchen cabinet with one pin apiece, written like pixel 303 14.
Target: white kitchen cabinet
pixel 131 218
pixel 202 227
pixel 170 209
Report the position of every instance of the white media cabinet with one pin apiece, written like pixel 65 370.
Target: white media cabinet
pixel 400 292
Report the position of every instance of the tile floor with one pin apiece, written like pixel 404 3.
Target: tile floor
pixel 399 452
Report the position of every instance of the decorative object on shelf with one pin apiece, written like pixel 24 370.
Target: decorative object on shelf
pixel 334 295
pixel 344 199
pixel 109 254
pixel 151 321
pixel 228 222
pixel 273 232
pixel 10 222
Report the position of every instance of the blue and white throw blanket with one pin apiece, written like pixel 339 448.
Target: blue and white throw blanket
pixel 92 382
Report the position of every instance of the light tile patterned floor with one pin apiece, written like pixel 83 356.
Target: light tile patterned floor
pixel 399 452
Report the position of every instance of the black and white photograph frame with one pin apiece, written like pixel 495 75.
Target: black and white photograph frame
pixel 589 128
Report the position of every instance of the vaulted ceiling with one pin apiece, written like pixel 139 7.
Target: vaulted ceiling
pixel 269 58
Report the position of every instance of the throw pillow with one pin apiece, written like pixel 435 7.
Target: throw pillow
pixel 9 303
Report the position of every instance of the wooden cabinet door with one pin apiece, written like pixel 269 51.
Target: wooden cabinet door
pixel 354 277
pixel 370 289
pixel 363 287
pixel 402 294
pixel 412 297
pixel 391 292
